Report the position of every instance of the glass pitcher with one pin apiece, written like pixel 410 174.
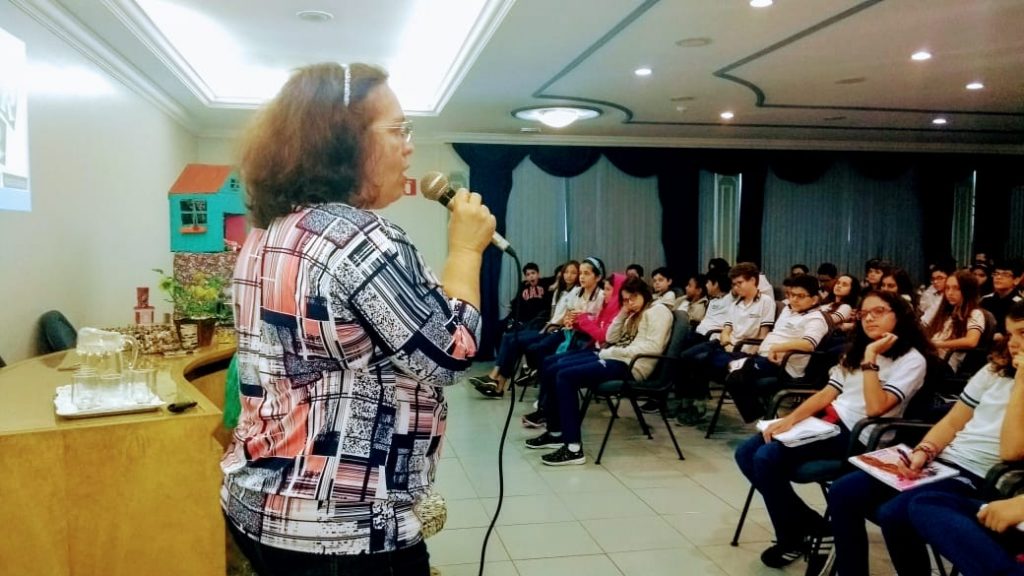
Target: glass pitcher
pixel 106 352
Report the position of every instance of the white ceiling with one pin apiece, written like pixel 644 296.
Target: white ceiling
pixel 801 73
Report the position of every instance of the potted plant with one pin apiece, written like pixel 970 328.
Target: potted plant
pixel 199 305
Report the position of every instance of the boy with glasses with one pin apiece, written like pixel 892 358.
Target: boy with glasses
pixel 1006 276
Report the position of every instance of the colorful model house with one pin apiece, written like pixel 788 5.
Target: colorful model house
pixel 207 208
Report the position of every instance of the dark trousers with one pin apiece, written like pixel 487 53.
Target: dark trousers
pixel 540 349
pixel 949 523
pixel 550 368
pixel 701 364
pixel 751 385
pixel 270 561
pixel 858 497
pixel 563 407
pixel 513 344
pixel 769 467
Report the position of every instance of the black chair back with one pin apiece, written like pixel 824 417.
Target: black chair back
pixel 56 333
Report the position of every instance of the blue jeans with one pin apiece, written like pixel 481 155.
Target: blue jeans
pixel 270 561
pixel 550 368
pixel 858 497
pixel 769 467
pixel 563 410
pixel 949 523
pixel 513 344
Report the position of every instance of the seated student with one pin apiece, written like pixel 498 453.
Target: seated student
pixel 800 326
pixel 799 270
pixel 874 269
pixel 838 307
pixel 513 344
pixel 883 368
pixel 978 541
pixel 898 281
pixel 750 315
pixel 720 265
pixel 641 327
pixel 695 301
pixel 981 429
pixel 595 327
pixel 981 273
pixel 931 297
pixel 959 323
pixel 664 292
pixel 635 271
pixel 1006 275
pixel 827 275
pixel 720 299
pixel 530 302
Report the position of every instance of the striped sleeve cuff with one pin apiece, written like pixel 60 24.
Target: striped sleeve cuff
pixel 895 392
pixel 813 342
pixel 967 399
pixel 835 384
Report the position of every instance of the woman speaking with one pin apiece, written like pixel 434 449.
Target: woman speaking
pixel 345 337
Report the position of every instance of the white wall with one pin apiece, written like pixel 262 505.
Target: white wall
pixel 425 221
pixel 102 159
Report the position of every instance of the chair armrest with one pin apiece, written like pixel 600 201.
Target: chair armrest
pixel 787 394
pixel 652 356
pixel 1004 480
pixel 739 345
pixel 883 426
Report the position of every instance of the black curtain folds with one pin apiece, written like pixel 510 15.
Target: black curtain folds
pixel 677 171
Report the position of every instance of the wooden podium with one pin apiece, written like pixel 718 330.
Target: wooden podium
pixel 115 495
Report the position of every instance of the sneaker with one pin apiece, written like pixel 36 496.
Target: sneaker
pixel 564 457
pixel 535 420
pixel 490 390
pixel 650 407
pixel 693 415
pixel 545 440
pixel 778 555
pixel 823 558
pixel 478 381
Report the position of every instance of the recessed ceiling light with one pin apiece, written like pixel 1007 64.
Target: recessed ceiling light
pixel 556 116
pixel 854 80
pixel 727 115
pixel 761 3
pixel 939 121
pixel 975 86
pixel 314 15
pixel 693 42
pixel 921 55
pixel 529 129
pixel 643 71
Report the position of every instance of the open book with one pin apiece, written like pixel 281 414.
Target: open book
pixel 884 464
pixel 803 432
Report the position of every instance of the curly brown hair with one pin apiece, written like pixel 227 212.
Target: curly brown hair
pixel 306 146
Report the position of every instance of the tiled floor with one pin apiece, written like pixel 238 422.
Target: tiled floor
pixel 641 512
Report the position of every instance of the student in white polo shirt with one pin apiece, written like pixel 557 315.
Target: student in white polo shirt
pixel 800 327
pixel 751 315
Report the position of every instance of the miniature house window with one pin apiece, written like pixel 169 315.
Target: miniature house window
pixel 233 184
pixel 193 216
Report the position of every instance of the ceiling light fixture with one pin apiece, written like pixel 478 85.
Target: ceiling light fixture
pixel 314 16
pixel 696 42
pixel 975 86
pixel 556 116
pixel 761 3
pixel 939 121
pixel 643 71
pixel 921 55
pixel 727 115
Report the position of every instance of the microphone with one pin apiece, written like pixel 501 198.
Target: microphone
pixel 435 186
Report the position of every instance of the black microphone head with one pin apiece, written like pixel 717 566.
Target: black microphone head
pixel 434 185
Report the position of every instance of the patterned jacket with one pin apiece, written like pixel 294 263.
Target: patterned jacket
pixel 345 339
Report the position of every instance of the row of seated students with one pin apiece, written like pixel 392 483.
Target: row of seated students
pixel 879 372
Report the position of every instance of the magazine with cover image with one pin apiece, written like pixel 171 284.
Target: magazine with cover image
pixel 884 465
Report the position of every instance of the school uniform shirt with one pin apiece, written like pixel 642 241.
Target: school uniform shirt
pixel 976 321
pixel 839 316
pixel 809 325
pixel 695 310
pixel 976 446
pixel 668 299
pixel 747 318
pixel 716 315
pixel 902 377
pixel 999 306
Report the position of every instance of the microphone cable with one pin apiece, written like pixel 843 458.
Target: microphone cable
pixel 501 442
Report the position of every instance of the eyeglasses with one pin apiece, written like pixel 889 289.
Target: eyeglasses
pixel 876 312
pixel 1002 274
pixel 402 128
pixel 798 295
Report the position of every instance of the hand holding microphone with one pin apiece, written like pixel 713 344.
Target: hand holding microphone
pixel 471 225
pixel 435 186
